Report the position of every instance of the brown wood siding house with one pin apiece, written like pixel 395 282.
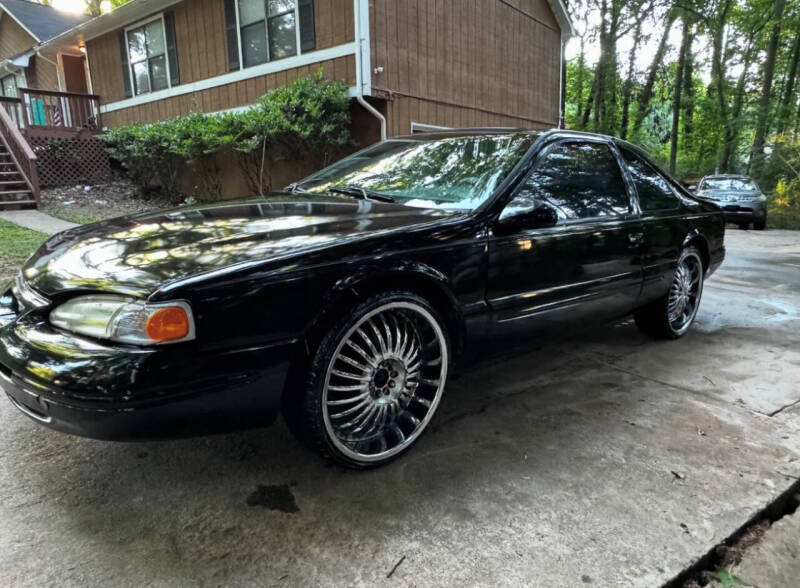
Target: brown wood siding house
pixel 24 26
pixel 419 63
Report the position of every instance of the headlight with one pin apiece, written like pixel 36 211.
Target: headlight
pixel 125 319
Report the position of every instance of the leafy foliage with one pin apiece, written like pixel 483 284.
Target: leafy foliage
pixel 308 120
pixel 720 95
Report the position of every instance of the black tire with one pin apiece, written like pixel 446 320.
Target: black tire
pixel 410 332
pixel 744 226
pixel 760 225
pixel 655 319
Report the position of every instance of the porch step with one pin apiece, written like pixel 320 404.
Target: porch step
pixel 15 193
pixel 17 204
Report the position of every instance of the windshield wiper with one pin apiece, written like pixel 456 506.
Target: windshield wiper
pixel 294 188
pixel 359 192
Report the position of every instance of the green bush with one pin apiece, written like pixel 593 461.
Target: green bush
pixel 784 203
pixel 308 120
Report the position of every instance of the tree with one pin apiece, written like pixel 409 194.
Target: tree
pixel 757 157
pixel 787 101
pixel 646 95
pixel 686 43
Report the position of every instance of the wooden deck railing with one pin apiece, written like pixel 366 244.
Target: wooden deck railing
pixel 21 153
pixel 13 107
pixel 53 111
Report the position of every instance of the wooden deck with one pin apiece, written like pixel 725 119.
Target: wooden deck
pixel 61 127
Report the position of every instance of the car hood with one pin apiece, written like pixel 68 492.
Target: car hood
pixel 135 255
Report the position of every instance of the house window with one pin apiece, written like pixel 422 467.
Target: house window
pixel 8 86
pixel 267 30
pixel 147 53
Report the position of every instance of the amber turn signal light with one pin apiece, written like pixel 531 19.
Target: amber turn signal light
pixel 167 324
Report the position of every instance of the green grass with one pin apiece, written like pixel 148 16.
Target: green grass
pixel 783 219
pixel 70 216
pixel 16 243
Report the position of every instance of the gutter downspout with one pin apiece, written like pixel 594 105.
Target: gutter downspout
pixel 363 81
pixel 374 112
pixel 37 52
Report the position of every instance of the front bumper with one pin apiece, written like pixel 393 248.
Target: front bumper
pixel 744 212
pixel 118 392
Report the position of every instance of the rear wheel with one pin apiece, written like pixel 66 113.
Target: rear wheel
pixel 672 315
pixel 376 380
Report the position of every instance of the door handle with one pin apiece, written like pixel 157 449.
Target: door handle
pixel 635 238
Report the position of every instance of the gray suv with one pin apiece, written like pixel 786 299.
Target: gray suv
pixel 739 197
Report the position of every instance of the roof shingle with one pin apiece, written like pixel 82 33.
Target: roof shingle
pixel 43 21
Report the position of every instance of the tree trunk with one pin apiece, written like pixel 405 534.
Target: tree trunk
pixel 766 91
pixel 646 95
pixel 688 96
pixel 628 89
pixel 788 91
pixel 600 69
pixel 716 87
pixel 589 102
pixel 676 101
pixel 732 130
pixel 581 76
pixel 93 7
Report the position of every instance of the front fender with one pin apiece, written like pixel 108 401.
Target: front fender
pixel 417 277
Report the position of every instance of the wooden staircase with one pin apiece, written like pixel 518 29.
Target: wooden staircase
pixel 19 177
pixel 14 190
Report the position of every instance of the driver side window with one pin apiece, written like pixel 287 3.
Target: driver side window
pixel 578 180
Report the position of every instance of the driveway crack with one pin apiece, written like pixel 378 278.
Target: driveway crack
pixel 781 409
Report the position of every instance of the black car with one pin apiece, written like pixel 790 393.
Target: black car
pixel 739 197
pixel 344 301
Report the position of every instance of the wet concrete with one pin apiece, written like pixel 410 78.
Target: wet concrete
pixel 610 459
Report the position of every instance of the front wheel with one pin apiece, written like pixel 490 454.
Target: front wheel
pixel 672 315
pixel 376 380
pixel 760 225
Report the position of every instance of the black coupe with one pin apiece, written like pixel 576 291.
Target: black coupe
pixel 344 301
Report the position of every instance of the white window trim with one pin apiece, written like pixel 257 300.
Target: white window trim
pixel 136 25
pixel 266 34
pixel 311 58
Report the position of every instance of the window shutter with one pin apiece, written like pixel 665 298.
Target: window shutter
pixel 172 49
pixel 232 35
pixel 308 37
pixel 126 74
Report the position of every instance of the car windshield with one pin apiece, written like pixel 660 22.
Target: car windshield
pixel 457 173
pixel 732 184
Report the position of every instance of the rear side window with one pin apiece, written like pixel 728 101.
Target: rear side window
pixel 655 193
pixel 579 180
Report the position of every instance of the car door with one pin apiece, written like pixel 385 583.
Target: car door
pixel 583 268
pixel 663 226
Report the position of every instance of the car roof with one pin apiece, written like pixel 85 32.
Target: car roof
pixel 484 131
pixel 466 132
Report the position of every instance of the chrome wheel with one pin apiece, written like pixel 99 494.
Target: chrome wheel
pixel 684 294
pixel 384 381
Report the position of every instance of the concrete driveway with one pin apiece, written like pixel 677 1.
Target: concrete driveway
pixel 610 459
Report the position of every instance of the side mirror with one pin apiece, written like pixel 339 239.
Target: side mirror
pixel 541 217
